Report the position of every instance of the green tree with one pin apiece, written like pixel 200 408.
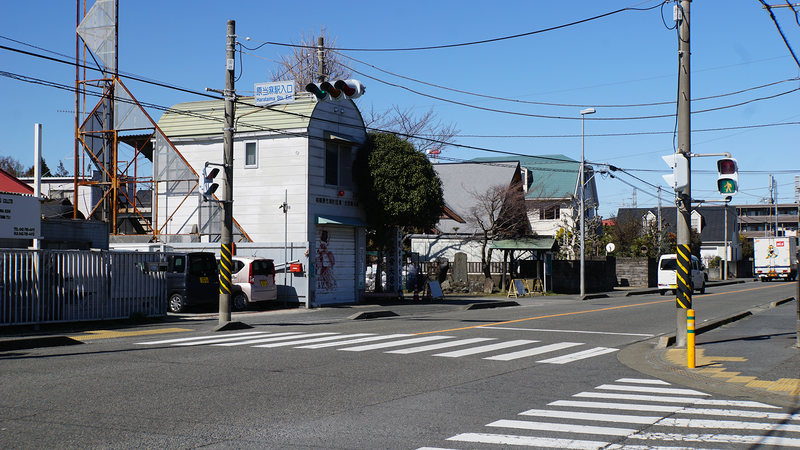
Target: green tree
pixel 397 186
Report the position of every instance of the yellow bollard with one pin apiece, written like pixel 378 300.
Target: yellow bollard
pixel 690 338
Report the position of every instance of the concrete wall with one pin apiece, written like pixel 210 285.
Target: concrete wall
pixel 639 272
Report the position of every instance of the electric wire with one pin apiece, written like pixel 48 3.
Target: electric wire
pixel 484 41
pixel 778 27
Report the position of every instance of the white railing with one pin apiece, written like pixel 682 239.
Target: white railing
pixel 47 286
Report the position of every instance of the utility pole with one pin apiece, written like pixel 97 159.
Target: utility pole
pixel 684 201
pixel 320 59
pixel 226 238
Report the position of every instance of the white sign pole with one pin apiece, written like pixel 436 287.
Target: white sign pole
pixel 37 174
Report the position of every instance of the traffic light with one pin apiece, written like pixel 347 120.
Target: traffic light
pixel 680 171
pixel 207 185
pixel 339 90
pixel 728 178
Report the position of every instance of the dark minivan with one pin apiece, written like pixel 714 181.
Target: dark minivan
pixel 192 279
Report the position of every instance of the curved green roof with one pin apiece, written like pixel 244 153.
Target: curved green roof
pixel 207 118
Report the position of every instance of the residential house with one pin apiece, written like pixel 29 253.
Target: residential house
pixel 293 192
pixel 551 184
pixel 463 184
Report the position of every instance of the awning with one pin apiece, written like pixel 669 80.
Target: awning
pixel 335 136
pixel 338 220
pixel 528 243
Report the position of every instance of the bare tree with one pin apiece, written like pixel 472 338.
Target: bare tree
pixel 303 63
pixel 499 213
pixel 424 131
pixel 12 166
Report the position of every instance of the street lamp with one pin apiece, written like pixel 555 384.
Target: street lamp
pixel 583 205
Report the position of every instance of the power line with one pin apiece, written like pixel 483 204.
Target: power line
pixel 465 44
pixel 505 99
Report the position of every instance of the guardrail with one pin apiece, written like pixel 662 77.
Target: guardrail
pixel 48 286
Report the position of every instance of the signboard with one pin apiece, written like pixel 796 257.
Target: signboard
pixel 274 93
pixel 20 217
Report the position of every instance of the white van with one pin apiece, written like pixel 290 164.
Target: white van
pixel 667 268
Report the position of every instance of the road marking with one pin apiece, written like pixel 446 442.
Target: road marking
pixel 626 418
pixel 271 338
pixel 727 425
pixel 506 439
pixel 655 398
pixel 199 338
pixel 652 390
pixel 738 413
pixel 107 334
pixel 561 427
pixel 642 381
pixel 569 331
pixel 441 345
pixel 485 348
pixel 720 438
pixel 356 341
pixel 610 308
pixel 309 341
pixel 597 351
pixel 625 406
pixel 380 345
pixel 533 351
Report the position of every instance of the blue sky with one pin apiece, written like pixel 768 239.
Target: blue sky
pixel 623 59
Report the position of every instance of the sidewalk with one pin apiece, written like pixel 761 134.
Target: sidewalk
pixel 754 356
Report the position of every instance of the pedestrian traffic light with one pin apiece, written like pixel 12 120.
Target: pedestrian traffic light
pixel 679 178
pixel 728 178
pixel 207 185
pixel 339 90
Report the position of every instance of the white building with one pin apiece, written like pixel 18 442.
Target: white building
pixel 299 153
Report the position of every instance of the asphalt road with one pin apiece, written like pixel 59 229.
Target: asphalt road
pixel 432 377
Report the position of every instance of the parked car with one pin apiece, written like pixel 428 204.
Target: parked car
pixel 192 279
pixel 253 280
pixel 667 274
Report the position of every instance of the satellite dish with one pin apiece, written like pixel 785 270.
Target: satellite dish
pixel 610 247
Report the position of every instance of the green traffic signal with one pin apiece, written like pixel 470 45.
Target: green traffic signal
pixel 727 186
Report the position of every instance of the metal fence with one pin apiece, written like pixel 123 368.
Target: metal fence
pixel 472 267
pixel 47 286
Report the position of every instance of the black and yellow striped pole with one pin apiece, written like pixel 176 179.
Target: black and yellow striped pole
pixel 684 277
pixel 225 270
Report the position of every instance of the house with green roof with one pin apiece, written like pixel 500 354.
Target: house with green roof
pixel 292 187
pixel 551 184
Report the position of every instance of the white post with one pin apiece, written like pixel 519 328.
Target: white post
pixel 37 172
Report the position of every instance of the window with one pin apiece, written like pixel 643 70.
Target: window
pixel 251 154
pixel 338 165
pixel 550 213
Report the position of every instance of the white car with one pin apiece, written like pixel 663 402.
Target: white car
pixel 667 274
pixel 253 280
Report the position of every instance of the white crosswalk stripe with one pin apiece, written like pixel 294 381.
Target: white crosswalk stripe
pixel 398 344
pixel 663 409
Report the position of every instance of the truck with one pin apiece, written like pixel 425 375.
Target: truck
pixel 775 258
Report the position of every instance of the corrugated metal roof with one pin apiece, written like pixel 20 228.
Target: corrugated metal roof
pixel 462 181
pixel 207 118
pixel 554 176
pixel 527 243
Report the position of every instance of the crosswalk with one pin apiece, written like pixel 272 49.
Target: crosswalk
pixel 639 414
pixel 490 349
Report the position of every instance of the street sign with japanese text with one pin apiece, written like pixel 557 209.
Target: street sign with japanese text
pixel 274 93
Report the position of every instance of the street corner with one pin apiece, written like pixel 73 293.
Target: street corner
pixel 729 375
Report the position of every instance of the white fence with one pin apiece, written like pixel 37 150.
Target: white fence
pixel 48 286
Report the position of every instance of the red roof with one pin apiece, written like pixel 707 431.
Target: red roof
pixel 10 183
